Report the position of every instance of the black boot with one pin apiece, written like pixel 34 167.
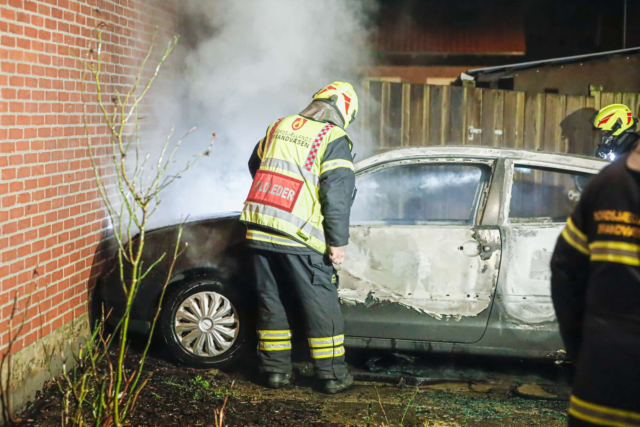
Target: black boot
pixel 278 380
pixel 336 386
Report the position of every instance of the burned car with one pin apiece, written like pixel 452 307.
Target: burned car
pixel 449 252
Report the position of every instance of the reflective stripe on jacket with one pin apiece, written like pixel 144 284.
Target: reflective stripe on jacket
pixel 285 195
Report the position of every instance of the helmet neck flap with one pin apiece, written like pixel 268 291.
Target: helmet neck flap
pixel 322 111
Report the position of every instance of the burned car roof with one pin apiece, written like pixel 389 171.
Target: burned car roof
pixel 555 159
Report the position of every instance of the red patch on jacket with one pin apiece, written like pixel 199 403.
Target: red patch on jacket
pixel 274 189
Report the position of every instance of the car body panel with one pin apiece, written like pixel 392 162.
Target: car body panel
pixel 523 302
pixel 435 270
pixel 211 247
pixel 416 284
pixel 511 315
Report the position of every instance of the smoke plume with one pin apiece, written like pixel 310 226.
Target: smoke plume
pixel 240 65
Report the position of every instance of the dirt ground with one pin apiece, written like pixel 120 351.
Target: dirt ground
pixel 490 393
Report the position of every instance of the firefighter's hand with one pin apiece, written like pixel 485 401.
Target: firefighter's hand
pixel 336 254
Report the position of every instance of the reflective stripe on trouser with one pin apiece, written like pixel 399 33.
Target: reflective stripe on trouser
pixel 606 386
pixel 326 342
pixel 300 282
pixel 282 335
pixel 602 415
pixel 279 340
pixel 274 345
pixel 324 347
pixel 323 353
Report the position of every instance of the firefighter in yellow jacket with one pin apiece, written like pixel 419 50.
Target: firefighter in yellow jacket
pixel 297 215
pixel 595 283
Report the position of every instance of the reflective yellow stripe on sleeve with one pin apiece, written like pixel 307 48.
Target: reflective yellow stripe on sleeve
pixel 335 164
pixel 576 238
pixel 602 415
pixel 261 148
pixel 619 252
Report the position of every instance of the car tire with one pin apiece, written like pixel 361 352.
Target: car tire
pixel 199 339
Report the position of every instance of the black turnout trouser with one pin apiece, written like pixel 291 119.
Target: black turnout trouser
pixel 306 282
pixel 606 388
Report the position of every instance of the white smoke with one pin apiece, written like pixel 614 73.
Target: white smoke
pixel 242 65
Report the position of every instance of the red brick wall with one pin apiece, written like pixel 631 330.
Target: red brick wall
pixel 51 216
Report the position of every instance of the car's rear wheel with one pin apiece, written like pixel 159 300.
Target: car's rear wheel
pixel 203 324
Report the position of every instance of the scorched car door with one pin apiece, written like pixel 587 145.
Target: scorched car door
pixel 540 201
pixel 417 266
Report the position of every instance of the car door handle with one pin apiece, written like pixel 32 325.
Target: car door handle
pixel 471 248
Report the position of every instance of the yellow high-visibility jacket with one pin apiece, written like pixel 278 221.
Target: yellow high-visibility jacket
pixel 303 188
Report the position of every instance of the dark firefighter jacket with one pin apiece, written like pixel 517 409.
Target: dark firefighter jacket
pixel 595 288
pixel 336 193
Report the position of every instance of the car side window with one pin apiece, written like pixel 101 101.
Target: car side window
pixel 540 194
pixel 419 193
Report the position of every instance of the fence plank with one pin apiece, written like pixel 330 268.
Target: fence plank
pixel 513 121
pixel 463 111
pixel 555 107
pixel 426 104
pixel 456 116
pixel 394 134
pixel 473 116
pixel 592 137
pixel 636 105
pixel 520 120
pixel 631 101
pixel 572 128
pixel 606 98
pixel 435 119
pixel 488 101
pixel 617 98
pixel 498 119
pixel 384 113
pixel 510 119
pixel 405 137
pixel 445 116
pixel 364 114
pixel 533 121
pixel 416 115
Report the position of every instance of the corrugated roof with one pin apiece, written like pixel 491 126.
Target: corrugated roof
pixel 554 61
pixel 442 28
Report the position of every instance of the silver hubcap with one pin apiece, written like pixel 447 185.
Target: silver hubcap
pixel 206 324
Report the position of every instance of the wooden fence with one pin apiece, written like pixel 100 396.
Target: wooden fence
pixel 405 114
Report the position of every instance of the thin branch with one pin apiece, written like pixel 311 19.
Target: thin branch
pixel 382 408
